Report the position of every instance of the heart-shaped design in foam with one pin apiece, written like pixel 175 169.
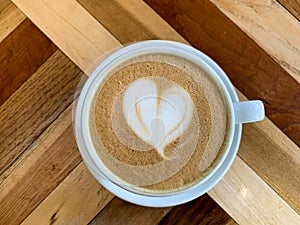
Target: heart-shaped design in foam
pixel 157 119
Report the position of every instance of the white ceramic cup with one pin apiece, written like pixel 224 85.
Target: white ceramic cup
pixel 240 112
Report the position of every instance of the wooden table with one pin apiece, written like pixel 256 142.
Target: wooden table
pixel 47 46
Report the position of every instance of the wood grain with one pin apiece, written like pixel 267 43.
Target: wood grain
pixel 76 200
pixel 110 14
pixel 22 52
pixel 272 164
pixel 38 174
pixel 10 18
pixel 267 20
pixel 158 27
pixel 227 194
pixel 4 4
pixel 67 31
pixel 254 198
pixel 121 212
pixel 234 51
pixel 200 211
pixel 35 105
pixel 293 6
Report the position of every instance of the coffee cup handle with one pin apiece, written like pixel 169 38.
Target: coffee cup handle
pixel 248 111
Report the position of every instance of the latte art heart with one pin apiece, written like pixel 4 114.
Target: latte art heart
pixel 157 116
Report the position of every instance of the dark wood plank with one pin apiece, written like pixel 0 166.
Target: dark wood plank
pixel 22 52
pixel 248 66
pixel 199 211
pixel 117 20
pixel 293 6
pixel 121 212
pixel 35 105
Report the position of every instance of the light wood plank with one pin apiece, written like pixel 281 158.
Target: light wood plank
pixel 82 40
pixel 249 200
pixel 271 26
pixel 10 18
pixel 247 174
pixel 77 200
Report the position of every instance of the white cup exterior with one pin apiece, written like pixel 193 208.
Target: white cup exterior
pixel 240 112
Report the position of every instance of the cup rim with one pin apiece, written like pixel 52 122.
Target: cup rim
pixel 92 159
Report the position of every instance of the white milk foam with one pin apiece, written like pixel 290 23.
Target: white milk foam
pixel 157 117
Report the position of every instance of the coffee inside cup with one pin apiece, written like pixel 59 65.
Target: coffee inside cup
pixel 159 123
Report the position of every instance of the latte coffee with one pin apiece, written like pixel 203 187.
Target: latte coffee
pixel 159 123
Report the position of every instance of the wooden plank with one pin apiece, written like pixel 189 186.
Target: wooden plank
pixel 158 27
pixel 254 202
pixel 108 13
pixel 230 194
pixel 35 105
pixel 234 51
pixel 119 211
pixel 268 160
pixel 200 211
pixel 4 4
pixel 25 42
pixel 126 22
pixel 267 20
pixel 272 158
pixel 10 18
pixel 77 200
pixel 70 33
pixel 41 170
pixel 293 6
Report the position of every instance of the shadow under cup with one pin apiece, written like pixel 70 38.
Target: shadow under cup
pixel 141 195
